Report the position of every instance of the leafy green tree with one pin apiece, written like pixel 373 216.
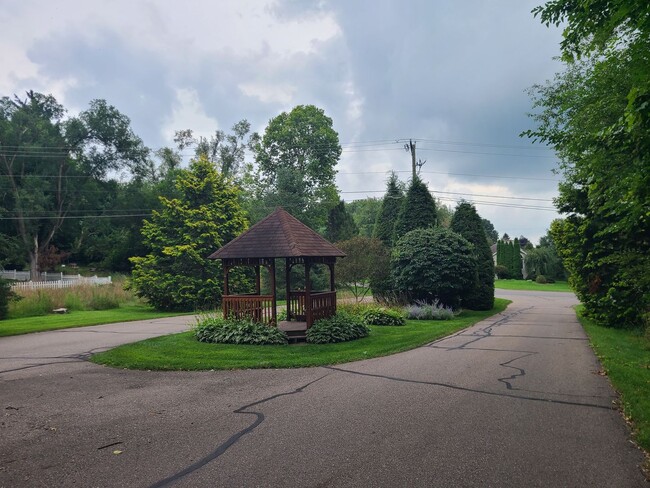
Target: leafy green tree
pixel 433 263
pixel 366 262
pixel 176 274
pixel 49 164
pixel 418 210
pixel 340 224
pixel 225 151
pixel 390 208
pixel 467 223
pixel 296 159
pixel 596 115
pixel 365 213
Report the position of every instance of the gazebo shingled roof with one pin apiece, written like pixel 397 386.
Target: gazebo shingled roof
pixel 280 235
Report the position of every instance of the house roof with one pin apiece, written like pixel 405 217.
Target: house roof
pixel 280 235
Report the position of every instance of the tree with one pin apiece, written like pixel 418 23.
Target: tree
pixel 366 261
pixel 303 148
pixel 225 151
pixel 467 223
pixel 491 233
pixel 176 274
pixel 365 213
pixel 48 163
pixel 596 115
pixel 418 209
pixel 429 264
pixel 517 264
pixel 390 208
pixel 340 224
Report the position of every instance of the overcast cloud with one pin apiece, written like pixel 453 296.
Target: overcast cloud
pixel 449 73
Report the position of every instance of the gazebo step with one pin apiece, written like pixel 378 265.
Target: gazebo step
pixel 296 331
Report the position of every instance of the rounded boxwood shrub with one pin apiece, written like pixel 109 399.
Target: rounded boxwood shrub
pixel 382 316
pixel 429 264
pixel 339 328
pixel 214 329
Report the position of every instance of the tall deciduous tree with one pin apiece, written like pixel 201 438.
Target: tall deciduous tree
pixel 467 222
pixel 176 274
pixel 418 210
pixel 225 151
pixel 366 262
pixel 47 161
pixel 596 115
pixel 303 148
pixel 365 213
pixel 390 208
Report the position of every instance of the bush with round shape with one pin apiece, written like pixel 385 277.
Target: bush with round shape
pixel 433 263
pixel 211 328
pixel 541 279
pixel 382 316
pixel 341 327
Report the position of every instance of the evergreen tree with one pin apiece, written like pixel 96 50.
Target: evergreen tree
pixel 467 222
pixel 418 210
pixel 390 207
pixel 499 253
pixel 176 274
pixel 516 260
pixel 340 224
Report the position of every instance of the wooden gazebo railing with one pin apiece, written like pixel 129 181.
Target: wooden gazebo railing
pixel 256 307
pixel 322 305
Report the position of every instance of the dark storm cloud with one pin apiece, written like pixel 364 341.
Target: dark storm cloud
pixel 109 67
pixel 463 65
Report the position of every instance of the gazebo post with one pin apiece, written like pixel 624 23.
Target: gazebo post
pixel 332 282
pixel 287 280
pixel 257 280
pixel 274 301
pixel 308 317
pixel 226 288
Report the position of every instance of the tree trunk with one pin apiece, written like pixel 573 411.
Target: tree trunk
pixel 33 262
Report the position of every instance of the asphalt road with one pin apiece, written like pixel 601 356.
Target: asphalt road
pixel 513 401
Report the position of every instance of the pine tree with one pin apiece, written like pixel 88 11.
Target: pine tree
pixel 418 210
pixel 467 222
pixel 177 274
pixel 340 224
pixel 516 261
pixel 390 207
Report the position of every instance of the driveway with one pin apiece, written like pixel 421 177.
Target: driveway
pixel 515 400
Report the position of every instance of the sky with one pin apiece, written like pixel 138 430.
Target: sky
pixel 451 75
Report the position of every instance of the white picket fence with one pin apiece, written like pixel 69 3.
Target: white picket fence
pixel 68 281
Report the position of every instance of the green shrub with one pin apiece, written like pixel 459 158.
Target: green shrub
pixel 339 328
pixel 541 279
pixel 382 316
pixel 210 328
pixel 502 272
pixel 6 295
pixel 430 264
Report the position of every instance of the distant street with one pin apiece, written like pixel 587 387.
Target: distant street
pixel 516 400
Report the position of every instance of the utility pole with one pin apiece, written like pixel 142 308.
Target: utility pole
pixel 411 147
pixel 415 166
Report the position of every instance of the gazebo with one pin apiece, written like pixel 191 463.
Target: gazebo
pixel 280 235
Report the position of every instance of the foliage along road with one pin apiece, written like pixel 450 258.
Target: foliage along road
pixel 513 401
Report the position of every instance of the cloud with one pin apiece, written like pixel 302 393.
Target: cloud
pixel 451 74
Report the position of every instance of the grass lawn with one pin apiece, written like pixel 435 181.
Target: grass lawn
pixel 531 285
pixel 625 356
pixel 26 325
pixel 184 352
